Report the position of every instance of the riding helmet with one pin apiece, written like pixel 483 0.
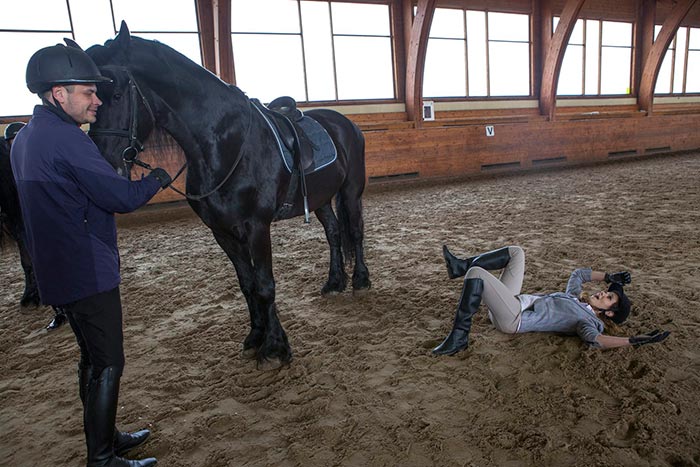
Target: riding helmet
pixel 623 305
pixel 12 129
pixel 59 64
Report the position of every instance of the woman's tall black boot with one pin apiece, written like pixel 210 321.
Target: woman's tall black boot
pixel 491 260
pixel 469 302
pixel 99 414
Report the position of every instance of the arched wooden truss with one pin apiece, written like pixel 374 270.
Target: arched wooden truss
pixel 215 27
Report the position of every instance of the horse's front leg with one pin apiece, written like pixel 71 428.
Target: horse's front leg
pixel 337 279
pixel 274 351
pixel 238 253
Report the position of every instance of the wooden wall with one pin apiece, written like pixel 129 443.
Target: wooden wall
pixel 524 143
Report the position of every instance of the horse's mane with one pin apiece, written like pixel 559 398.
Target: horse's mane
pixel 166 55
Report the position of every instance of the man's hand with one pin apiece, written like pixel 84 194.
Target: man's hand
pixel 622 277
pixel 162 177
pixel 649 338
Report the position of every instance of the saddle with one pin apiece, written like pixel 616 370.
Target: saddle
pixel 283 114
pixel 299 150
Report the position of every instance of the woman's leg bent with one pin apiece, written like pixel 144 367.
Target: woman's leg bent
pixel 514 272
pixel 504 308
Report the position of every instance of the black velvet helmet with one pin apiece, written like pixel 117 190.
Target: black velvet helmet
pixel 12 129
pixel 59 64
pixel 622 310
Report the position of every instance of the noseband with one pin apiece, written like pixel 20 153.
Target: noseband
pixel 131 152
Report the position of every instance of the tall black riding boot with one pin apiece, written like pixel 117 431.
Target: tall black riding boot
pixel 123 441
pixel 98 419
pixel 469 302
pixel 491 260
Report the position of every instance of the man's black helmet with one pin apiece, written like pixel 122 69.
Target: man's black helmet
pixel 12 129
pixel 59 64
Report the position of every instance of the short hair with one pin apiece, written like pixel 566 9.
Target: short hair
pixel 49 92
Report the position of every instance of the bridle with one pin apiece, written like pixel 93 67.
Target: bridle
pixel 130 154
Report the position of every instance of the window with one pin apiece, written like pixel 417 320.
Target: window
pixel 87 22
pixel 477 54
pixel 680 69
pixel 22 33
pixel 597 60
pixel 312 50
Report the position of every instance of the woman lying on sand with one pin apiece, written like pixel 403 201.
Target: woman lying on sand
pixel 571 312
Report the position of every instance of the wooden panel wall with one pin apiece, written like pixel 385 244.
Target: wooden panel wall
pixel 464 150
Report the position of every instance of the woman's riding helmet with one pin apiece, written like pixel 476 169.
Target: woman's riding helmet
pixel 622 308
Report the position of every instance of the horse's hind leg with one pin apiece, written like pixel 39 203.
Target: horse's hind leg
pixel 350 204
pixel 337 279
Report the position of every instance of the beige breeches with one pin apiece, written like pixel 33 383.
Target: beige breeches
pixel 500 293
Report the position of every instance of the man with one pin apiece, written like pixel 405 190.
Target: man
pixel 69 194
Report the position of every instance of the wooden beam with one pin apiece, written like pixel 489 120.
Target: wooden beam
pixel 398 30
pixel 555 56
pixel 653 61
pixel 643 39
pixel 222 9
pixel 205 23
pixel 541 35
pixel 415 63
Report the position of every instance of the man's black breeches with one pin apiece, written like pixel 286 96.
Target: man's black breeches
pixel 97 324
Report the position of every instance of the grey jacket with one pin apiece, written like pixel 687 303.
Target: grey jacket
pixel 564 313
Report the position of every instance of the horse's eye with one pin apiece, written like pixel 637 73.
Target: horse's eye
pixel 117 96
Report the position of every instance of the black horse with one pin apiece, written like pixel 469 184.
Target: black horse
pixel 11 225
pixel 236 180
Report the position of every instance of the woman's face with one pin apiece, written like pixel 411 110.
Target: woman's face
pixel 603 300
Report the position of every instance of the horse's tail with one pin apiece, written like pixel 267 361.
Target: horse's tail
pixel 341 210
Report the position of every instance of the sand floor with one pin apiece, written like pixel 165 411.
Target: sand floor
pixel 363 388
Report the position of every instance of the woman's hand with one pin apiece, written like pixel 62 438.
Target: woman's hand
pixel 649 338
pixel 622 277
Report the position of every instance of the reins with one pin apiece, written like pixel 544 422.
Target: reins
pixel 135 146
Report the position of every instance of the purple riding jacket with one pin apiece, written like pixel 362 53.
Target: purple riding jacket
pixel 68 195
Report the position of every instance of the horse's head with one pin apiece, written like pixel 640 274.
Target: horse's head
pixel 125 118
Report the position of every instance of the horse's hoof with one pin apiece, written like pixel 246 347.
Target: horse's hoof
pixel 332 290
pixel 249 353
pixel 29 304
pixel 361 284
pixel 271 364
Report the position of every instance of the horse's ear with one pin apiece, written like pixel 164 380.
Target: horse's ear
pixel 71 43
pixel 124 36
